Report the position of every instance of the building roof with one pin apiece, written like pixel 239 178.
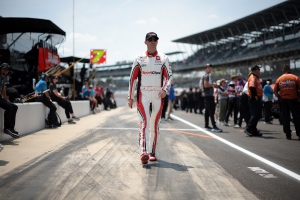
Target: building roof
pixel 71 59
pixel 21 25
pixel 272 17
pixel 174 53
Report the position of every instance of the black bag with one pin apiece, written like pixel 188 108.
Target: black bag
pixel 57 121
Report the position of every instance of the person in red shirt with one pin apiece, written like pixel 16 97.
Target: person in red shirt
pixel 286 89
pixel 255 93
pixel 99 94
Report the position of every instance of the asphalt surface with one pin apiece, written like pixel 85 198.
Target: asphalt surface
pixel 98 158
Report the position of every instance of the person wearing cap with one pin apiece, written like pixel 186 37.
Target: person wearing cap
pixel 87 95
pixel 210 106
pixel 153 74
pixel 10 108
pixel 232 101
pixel 240 84
pixel 286 90
pixel 41 88
pixel 255 93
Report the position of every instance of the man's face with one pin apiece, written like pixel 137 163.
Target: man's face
pixel 4 71
pixel 151 42
pixel 257 72
pixel 208 69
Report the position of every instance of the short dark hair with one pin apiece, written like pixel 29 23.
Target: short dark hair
pixel 286 68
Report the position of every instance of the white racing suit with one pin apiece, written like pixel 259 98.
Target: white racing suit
pixel 153 73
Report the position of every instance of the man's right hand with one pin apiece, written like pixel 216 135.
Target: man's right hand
pixel 130 103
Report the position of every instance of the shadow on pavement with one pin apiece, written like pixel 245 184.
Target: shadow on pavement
pixel 165 164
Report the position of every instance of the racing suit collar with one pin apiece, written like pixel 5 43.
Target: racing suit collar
pixel 151 55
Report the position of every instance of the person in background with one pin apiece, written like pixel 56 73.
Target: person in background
pixel 99 94
pixel 286 90
pixel 232 101
pixel 10 108
pixel 190 100
pixel 240 84
pixel 171 99
pixel 208 88
pixel 217 110
pixel 62 92
pixel 88 96
pixel 268 100
pixel 61 100
pixel 244 105
pixel 84 88
pixel 255 94
pixel 45 98
pixel 222 99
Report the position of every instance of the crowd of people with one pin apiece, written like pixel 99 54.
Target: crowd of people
pixel 97 96
pixel 246 100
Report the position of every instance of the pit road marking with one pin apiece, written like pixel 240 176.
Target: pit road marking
pixel 270 163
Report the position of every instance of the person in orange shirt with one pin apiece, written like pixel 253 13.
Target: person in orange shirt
pixel 286 89
pixel 255 94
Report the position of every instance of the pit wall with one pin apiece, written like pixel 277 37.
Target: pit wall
pixel 31 116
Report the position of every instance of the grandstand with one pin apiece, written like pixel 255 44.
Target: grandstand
pixel 269 38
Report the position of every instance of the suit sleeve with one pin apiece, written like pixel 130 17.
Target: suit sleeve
pixel 132 79
pixel 167 74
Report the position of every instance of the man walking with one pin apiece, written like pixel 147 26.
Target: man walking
pixel 153 72
pixel 286 89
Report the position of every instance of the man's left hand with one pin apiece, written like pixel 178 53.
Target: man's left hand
pixel 162 94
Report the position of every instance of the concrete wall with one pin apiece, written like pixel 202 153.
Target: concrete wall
pixel 31 116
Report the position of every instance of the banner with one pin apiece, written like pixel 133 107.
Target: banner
pixel 97 56
pixel 47 59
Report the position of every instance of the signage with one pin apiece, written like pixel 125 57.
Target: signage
pixel 47 59
pixel 97 56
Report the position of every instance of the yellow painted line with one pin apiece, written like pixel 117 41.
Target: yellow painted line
pixel 193 134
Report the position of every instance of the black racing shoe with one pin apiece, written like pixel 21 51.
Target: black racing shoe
pixel 14 131
pixel 75 118
pixel 208 128
pixel 71 122
pixel 289 137
pixel 248 132
pixel 11 133
pixel 216 129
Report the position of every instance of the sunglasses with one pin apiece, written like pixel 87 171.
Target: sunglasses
pixel 152 39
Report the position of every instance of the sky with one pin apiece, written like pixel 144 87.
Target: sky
pixel 120 26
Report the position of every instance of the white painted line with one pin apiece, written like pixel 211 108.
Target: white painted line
pixel 274 165
pixel 161 129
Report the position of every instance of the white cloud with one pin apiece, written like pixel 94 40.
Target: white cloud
pixel 141 22
pixel 154 21
pixel 213 16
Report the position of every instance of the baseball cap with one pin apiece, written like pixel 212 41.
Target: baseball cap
pixel 239 74
pixel 208 65
pixel 255 67
pixel 150 35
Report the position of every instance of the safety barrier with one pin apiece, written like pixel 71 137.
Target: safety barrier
pixel 31 116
